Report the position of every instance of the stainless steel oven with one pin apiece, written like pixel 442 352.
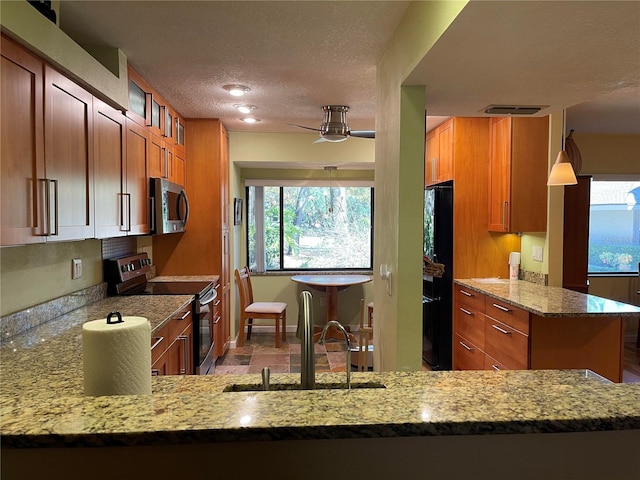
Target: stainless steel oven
pixel 127 276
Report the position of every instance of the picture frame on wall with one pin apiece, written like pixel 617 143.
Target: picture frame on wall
pixel 237 211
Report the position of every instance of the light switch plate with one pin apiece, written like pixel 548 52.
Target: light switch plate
pixel 76 268
pixel 538 253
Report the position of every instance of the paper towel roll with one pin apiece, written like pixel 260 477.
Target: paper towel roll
pixel 117 356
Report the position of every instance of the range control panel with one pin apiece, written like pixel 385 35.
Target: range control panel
pixel 118 270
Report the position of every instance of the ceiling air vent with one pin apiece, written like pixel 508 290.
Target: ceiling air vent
pixel 513 109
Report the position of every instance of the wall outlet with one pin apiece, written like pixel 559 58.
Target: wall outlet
pixel 76 268
pixel 538 253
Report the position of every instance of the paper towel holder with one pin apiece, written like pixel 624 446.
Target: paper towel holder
pixel 111 314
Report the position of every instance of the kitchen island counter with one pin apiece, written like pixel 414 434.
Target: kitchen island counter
pixel 547 301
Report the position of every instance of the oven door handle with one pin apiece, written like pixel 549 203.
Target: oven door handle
pixel 208 297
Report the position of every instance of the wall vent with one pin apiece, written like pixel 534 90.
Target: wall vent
pixel 513 109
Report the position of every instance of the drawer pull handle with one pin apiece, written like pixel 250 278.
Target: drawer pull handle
pixel 495 367
pixel 501 330
pixel 466 293
pixel 185 315
pixel 500 307
pixel 160 339
pixel 466 311
pixel 155 372
pixel 467 347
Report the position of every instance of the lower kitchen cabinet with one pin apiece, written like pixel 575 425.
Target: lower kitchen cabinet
pixel 172 346
pixel 490 334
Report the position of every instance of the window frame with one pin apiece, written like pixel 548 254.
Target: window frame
pixel 609 178
pixel 302 183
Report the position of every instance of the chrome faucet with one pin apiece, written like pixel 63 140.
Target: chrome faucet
pixel 305 333
pixel 337 325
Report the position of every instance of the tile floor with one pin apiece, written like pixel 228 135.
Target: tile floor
pixel 261 352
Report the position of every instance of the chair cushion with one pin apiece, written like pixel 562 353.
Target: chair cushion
pixel 266 307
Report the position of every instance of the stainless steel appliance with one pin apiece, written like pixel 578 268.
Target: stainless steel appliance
pixel 437 292
pixel 169 206
pixel 128 276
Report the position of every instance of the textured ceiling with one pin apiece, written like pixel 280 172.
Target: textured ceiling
pixel 298 56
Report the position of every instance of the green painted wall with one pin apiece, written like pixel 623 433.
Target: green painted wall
pixel 400 184
pixel 34 274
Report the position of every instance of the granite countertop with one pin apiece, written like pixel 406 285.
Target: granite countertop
pixel 42 402
pixel 548 301
pixel 47 360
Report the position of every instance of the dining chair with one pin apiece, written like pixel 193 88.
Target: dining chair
pixel 250 310
pixel 365 336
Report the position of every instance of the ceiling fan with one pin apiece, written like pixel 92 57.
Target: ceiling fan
pixel 334 126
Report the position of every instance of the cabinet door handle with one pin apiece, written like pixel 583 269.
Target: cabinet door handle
pixel 495 367
pixel 466 293
pixel 165 174
pixel 126 225
pixel 160 339
pixel 466 311
pixel 185 356
pixel 500 307
pixel 51 211
pixel 43 201
pixel 467 346
pixel 501 330
pixel 504 214
pixel 152 214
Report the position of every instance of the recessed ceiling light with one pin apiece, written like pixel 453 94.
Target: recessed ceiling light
pixel 236 90
pixel 244 108
pixel 250 120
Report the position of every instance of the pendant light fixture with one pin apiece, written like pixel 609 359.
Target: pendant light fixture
pixel 562 171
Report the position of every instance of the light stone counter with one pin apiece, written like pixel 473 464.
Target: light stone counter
pixel 549 301
pixel 42 403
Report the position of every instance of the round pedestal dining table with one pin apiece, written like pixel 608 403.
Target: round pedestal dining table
pixel 331 284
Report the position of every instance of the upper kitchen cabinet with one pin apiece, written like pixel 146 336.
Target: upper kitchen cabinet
pixel 439 154
pixel 22 147
pixel 68 153
pixel 518 174
pixel 120 170
pixel 167 153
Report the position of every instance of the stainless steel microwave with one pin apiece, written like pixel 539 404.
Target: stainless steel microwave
pixel 169 206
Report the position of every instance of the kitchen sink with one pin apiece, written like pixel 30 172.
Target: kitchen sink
pixel 254 387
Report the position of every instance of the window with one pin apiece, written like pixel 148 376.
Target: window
pixel 614 227
pixel 309 227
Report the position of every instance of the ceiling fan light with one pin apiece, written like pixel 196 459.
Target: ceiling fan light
pixel 236 90
pixel 562 172
pixel 334 138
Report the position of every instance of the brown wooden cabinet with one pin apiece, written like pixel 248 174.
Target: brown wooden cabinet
pixel 120 169
pixel 439 154
pixel 575 246
pixel 492 334
pixel 172 346
pixel 110 159
pixel 68 154
pixel 22 170
pixel 207 232
pixel 518 174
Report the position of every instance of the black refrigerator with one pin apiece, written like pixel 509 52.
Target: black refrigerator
pixel 437 291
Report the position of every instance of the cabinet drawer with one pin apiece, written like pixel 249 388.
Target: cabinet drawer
pixel 491 363
pixel 469 323
pixel 513 316
pixel 466 355
pixel 506 344
pixel 469 297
